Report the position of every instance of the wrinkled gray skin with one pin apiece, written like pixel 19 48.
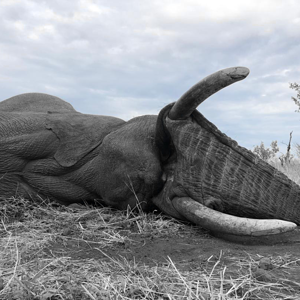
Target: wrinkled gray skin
pixel 49 150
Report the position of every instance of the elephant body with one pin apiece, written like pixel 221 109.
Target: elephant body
pixel 49 150
pixel 70 157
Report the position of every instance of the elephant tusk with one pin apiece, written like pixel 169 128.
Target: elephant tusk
pixel 211 84
pixel 218 222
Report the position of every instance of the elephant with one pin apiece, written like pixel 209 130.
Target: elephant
pixel 177 162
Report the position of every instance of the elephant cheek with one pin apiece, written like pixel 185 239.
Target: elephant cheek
pixel 124 182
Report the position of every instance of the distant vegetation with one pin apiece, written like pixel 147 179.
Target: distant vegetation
pixel 295 86
pixel 285 162
pixel 270 154
pixel 264 153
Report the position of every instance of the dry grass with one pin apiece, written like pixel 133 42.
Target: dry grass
pixel 291 170
pixel 29 271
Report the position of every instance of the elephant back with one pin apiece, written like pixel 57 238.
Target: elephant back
pixel 35 102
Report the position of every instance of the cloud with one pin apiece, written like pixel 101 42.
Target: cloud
pixel 127 58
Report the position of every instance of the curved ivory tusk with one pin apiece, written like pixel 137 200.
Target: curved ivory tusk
pixel 211 84
pixel 223 223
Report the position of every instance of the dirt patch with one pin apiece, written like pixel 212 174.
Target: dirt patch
pixel 194 249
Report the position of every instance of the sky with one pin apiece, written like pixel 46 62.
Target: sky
pixel 131 58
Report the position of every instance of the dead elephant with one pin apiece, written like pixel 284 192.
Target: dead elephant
pixel 177 161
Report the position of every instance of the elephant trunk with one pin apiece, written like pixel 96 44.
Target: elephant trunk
pixel 211 165
pixel 208 167
pixel 247 185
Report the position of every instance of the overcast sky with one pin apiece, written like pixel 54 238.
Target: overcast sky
pixel 129 58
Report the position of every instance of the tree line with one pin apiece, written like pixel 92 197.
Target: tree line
pixel 269 153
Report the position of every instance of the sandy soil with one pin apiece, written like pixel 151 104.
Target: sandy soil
pixel 194 248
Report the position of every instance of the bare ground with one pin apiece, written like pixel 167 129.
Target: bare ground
pixel 191 248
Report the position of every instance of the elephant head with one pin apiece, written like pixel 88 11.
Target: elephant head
pixel 177 161
pixel 205 167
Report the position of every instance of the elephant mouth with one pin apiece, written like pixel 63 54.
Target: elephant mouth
pixel 181 203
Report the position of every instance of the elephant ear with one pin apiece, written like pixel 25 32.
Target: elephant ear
pixel 79 134
pixel 163 138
